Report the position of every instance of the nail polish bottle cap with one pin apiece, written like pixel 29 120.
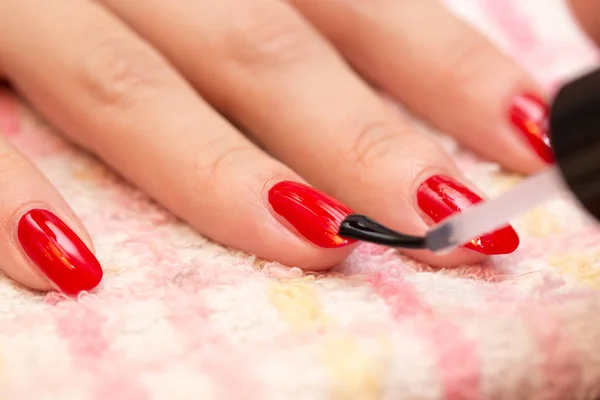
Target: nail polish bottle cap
pixel 575 138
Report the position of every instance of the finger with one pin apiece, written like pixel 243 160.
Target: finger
pixel 445 72
pixel 275 75
pixel 588 14
pixel 42 243
pixel 141 117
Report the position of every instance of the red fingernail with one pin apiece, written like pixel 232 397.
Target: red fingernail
pixel 529 114
pixel 314 215
pixel 58 252
pixel 440 197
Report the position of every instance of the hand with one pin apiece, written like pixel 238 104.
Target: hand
pixel 588 14
pixel 162 91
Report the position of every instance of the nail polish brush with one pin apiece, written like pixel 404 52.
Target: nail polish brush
pixel 575 141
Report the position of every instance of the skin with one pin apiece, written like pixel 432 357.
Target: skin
pixel 160 102
pixel 586 11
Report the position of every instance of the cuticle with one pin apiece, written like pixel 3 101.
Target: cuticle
pixel 20 212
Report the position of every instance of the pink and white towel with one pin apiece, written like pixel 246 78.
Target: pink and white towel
pixel 178 317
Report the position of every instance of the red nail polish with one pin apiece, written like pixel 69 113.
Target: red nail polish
pixel 440 197
pixel 314 215
pixel 58 252
pixel 529 114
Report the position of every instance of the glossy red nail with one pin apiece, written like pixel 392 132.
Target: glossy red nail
pixel 529 114
pixel 58 252
pixel 440 197
pixel 314 215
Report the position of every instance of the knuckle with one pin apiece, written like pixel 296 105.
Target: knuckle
pixel 9 160
pixel 116 73
pixel 372 141
pixel 216 162
pixel 465 61
pixel 265 37
pixel 364 7
pixel 420 153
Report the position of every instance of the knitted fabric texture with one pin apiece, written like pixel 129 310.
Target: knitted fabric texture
pixel 179 317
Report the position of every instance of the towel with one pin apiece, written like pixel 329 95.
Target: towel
pixel 180 317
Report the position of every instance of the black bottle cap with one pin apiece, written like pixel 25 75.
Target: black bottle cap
pixel 575 138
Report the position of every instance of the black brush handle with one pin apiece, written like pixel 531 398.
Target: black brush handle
pixel 575 138
pixel 360 227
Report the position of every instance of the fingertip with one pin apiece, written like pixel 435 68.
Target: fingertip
pixel 49 245
pixel 528 114
pixel 500 242
pixel 308 221
pixel 440 196
pixel 317 260
pixel 457 257
pixel 309 213
pixel 25 257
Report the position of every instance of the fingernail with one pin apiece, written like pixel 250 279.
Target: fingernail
pixel 529 114
pixel 58 252
pixel 314 215
pixel 440 196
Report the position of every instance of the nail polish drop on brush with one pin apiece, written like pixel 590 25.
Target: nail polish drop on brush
pixel 441 196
